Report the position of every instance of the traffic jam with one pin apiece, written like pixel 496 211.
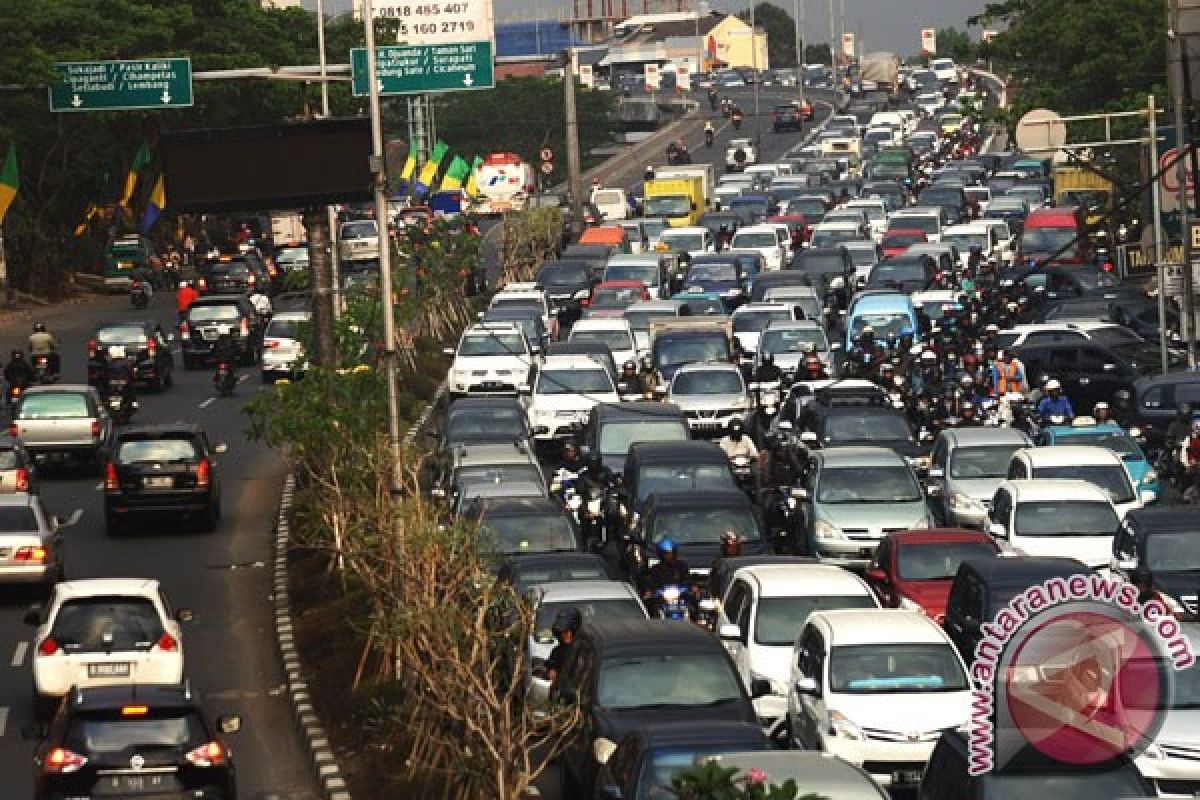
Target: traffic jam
pixel 771 441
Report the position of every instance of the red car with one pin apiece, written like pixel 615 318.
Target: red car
pixel 611 298
pixel 895 242
pixel 914 569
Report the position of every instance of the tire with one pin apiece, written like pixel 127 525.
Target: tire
pixel 268 379
pixel 210 517
pixel 169 377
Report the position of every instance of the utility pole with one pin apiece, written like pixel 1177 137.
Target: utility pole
pixel 330 211
pixel 1189 284
pixel 798 13
pixel 379 170
pixel 10 296
pixel 1152 115
pixel 833 42
pixel 574 170
pixel 754 66
pixel 1187 317
pixel 320 271
pixel 419 130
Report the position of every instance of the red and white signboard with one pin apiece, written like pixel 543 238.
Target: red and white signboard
pixel 683 79
pixel 1168 181
pixel 989 35
pixel 587 77
pixel 848 45
pixel 929 41
pixel 651 75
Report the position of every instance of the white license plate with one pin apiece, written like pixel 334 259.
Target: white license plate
pixel 139 783
pixel 907 776
pixel 114 403
pixel 117 669
pixel 163 482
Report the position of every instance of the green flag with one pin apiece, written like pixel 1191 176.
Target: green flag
pixel 456 173
pixel 429 171
pixel 140 162
pixel 9 180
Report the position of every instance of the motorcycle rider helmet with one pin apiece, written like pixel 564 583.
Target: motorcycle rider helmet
pixel 647 363
pixel 629 366
pixel 570 449
pixel 735 428
pixel 1053 385
pixel 39 327
pixel 768 360
pixel 731 543
pixel 665 547
pixel 813 365
pixel 566 620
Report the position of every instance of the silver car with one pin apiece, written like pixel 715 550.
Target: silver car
pixel 852 497
pixel 789 343
pixel 711 396
pixel 30 541
pixel 966 468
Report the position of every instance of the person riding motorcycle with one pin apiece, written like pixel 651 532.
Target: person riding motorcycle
pixel 119 369
pixel 1180 427
pixel 648 376
pixel 731 547
pixel 44 343
pixel 17 371
pixel 185 295
pixel 1102 413
pixel 628 383
pixel 671 570
pixel 768 371
pixel 710 133
pixel 814 370
pixel 1054 404
pixel 594 481
pixel 735 116
pixel 567 623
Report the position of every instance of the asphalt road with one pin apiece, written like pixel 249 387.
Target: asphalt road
pixel 230 649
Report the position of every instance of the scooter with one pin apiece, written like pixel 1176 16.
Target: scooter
pixel 671 602
pixel 709 135
pixel 224 380
pixel 139 295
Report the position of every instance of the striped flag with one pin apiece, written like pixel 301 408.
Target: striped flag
pixel 9 180
pixel 140 162
pixel 472 187
pixel 156 204
pixel 430 170
pixel 456 173
pixel 410 167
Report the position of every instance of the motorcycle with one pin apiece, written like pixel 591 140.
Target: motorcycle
pixel 41 369
pixel 139 295
pixel 119 407
pixel 744 474
pixel 709 135
pixel 737 120
pixel 671 603
pixel 224 380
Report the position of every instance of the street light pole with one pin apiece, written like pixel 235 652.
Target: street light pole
pixel 754 66
pixel 330 212
pixel 833 46
pixel 385 253
pixel 798 14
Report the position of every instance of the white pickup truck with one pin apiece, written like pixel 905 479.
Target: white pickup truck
pixel 740 154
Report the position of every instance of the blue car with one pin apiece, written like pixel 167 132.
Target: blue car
pixel 703 303
pixel 717 275
pixel 1115 438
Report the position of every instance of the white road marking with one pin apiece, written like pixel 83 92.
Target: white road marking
pixel 3 719
pixel 207 402
pixel 19 656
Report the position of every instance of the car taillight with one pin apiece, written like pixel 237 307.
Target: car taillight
pixel 151 347
pixel 13 430
pixel 271 344
pixel 167 643
pixel 207 755
pixel 202 284
pixel 27 554
pixel 203 473
pixel 251 280
pixel 244 328
pixel 63 761
pixel 183 328
pixel 92 348
pixel 111 482
pixel 95 428
pixel 22 480
pixel 137 285
pixel 48 647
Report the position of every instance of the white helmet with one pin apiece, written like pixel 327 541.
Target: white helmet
pixel 1053 384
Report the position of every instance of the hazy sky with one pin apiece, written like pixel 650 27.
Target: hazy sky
pixel 882 24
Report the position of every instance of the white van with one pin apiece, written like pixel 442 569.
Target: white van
pixel 612 203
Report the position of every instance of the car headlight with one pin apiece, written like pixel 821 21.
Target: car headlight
pixel 1153 751
pixel 964 502
pixel 823 529
pixel 1171 603
pixel 908 604
pixel 1150 477
pixel 840 725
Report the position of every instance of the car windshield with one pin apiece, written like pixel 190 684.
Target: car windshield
pixel 1120 443
pixel 987 461
pixel 706 273
pixel 616 436
pixel 360 230
pixel 562 275
pixel 936 561
pixel 100 736
pixel 900 273
pixel 498 422
pixel 755 240
pixel 640 320
pixel 106 623
pixel 682 478
pixel 1112 478
pixel 926 223
pixel 893 668
pixel 1047 241
pixel 1066 518
pixel 668 205
pixel 615 297
pixel 883 323
pixel 492 344
pixel 540 533
pixel 214 313
pixel 682 241
pixel 608 198
pixel 1173 552
pixel 864 427
pixel 716 381
pixel 822 262
pixel 755 321
pixel 965 241
pixel 792 340
pixel 830 237
pixel 292 255
pixel 137 451
pixel 704 525
pixel 124 334
pixel 614 340
pixel 936 196
pixel 54 405
pixel 646 273
pixel 687 349
pixel 780 619
pixel 615 608
pixel 807 207
pixel 701 306
pixel 18 519
pixel 654 227
pixel 574 381
pixel 903 239
pixel 663 681
pixel 846 485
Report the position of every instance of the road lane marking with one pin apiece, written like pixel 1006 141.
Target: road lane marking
pixel 3 719
pixel 19 656
pixel 207 402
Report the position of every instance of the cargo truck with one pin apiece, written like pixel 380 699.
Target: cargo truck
pixel 1080 186
pixel 680 200
pixel 705 171
pixel 882 69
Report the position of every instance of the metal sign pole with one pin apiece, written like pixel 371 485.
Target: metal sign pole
pixel 1152 113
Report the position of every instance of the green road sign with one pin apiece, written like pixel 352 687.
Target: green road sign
pixel 122 85
pixel 410 69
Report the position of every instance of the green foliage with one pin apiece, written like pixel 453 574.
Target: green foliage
pixel 711 781
pixel 956 44
pixel 530 238
pixel 781 33
pixel 816 53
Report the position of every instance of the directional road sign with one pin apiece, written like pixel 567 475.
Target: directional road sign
pixel 410 69
pixel 122 85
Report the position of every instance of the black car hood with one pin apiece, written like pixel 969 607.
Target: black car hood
pixel 614 725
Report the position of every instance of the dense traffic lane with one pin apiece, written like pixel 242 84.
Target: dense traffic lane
pixel 223 577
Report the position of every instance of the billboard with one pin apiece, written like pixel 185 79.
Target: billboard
pixel 928 41
pixel 848 45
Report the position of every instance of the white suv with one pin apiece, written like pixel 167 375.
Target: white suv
pixel 491 358
pixel 763 239
pixel 283 348
pixel 358 240
pixel 562 392
pixel 104 632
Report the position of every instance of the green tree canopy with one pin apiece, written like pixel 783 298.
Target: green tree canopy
pixel 956 44
pixel 780 28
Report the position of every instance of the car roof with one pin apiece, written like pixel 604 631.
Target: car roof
pixel 637 409
pixel 970 227
pixel 571 361
pixel 721 733
pixel 939 536
pixel 690 450
pixel 479 453
pixel 705 498
pixel 802 580
pixel 648 636
pixel 656 305
pixel 859 456
pixel 568 591
pixel 298 316
pixel 769 228
pixel 219 300
pixel 1038 490
pixel 1156 520
pixel 763 306
pixel 1025 570
pixel 1066 455
pixel 484 402
pixel 847 627
pixel 982 437
pixel 706 366
pixel 601 324
pixel 58 388
pixel 794 324
pixel 516 506
pixel 93 587
pixel 160 429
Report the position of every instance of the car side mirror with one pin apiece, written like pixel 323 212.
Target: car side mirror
pixel 221 448
pixel 808 437
pixel 877 575
pixel 998 531
pixel 602 749
pixel 479 315
pixel 800 493
pixel 1147 497
pixel 1127 564
pixel 785 425
pixel 437 492
pixel 808 686
pixel 760 687
pixel 229 723
pixel 184 615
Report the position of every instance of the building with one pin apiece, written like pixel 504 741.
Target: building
pixel 692 41
pixel 594 20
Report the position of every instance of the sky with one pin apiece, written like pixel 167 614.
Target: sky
pixel 881 24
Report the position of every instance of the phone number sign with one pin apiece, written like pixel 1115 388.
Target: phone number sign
pixel 439 21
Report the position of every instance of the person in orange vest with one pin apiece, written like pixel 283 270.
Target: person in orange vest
pixel 185 295
pixel 1008 375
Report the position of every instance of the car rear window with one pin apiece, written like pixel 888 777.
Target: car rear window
pixel 54 405
pixel 359 230
pixel 106 623
pixel 124 334
pixel 14 519
pixel 215 313
pixel 116 735
pixel 139 451
pixel 285 328
pixel 240 270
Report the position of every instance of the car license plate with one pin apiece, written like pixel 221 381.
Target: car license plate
pixel 907 776
pixel 159 482
pixel 866 551
pixel 4 551
pixel 114 403
pixel 115 669
pixel 122 784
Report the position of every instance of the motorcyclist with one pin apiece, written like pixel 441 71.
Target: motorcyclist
pixel 572 461
pixel 566 624
pixel 1102 413
pixel 119 369
pixel 671 570
pixel 225 350
pixel 1054 404
pixel 1180 427
pixel 814 370
pixel 710 133
pixel 44 343
pixel 262 304
pixel 146 277
pixel 731 547
pixel 17 371
pixel 649 173
pixel 735 443
pixel 628 383
pixel 594 481
pixel 648 376
pixel 768 371
pixel 185 295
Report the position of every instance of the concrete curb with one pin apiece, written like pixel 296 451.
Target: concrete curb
pixel 410 437
pixel 324 762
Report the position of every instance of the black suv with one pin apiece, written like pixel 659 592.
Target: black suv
pixel 1088 372
pixel 244 273
pixel 134 741
pixel 144 342
pixel 162 469
pixel 202 326
pixel 788 117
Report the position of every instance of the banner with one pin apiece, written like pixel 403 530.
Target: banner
pixel 928 41
pixel 848 45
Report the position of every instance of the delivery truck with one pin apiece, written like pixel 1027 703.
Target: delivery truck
pixel 705 171
pixel 882 69
pixel 680 200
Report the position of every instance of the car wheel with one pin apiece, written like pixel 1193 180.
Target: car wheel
pixel 210 517
pixel 169 377
pixel 268 379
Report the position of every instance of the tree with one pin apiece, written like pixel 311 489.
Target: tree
pixel 780 28
pixel 956 44
pixel 816 54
